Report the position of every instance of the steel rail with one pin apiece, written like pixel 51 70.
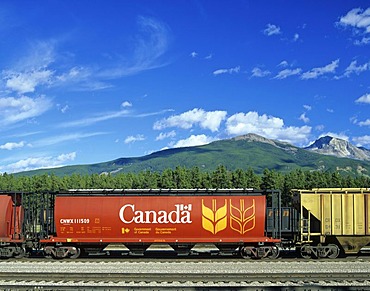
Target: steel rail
pixel 183 277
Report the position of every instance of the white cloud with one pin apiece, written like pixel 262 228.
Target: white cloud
pixel 354 69
pixel 39 56
pixel 194 54
pixel 74 73
pixel 241 123
pixel 66 157
pixel 13 110
pixel 12 145
pixel 62 108
pixel 287 73
pixel 52 140
pixel 307 107
pixel 259 73
pixel 364 123
pixel 132 139
pixel 283 64
pixel 28 81
pixel 267 126
pixel 126 104
pixel 149 46
pixel 316 72
pixel 227 71
pixel 34 163
pixel 165 135
pixel 304 118
pixel 357 18
pixel 31 70
pixel 101 117
pixel 92 120
pixel 363 41
pixel 208 120
pixel 362 140
pixel 271 29
pixel 353 119
pixel 364 99
pixel 194 140
pixel 296 37
pixel 80 78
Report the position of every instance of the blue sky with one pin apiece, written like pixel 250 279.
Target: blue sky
pixel 91 81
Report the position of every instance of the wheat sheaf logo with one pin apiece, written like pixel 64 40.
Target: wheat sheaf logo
pixel 242 218
pixel 214 220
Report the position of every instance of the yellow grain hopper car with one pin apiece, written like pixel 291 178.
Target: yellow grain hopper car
pixel 333 221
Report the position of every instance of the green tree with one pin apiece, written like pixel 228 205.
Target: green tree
pixel 336 180
pixel 167 181
pixel 149 180
pixel 182 178
pixel 253 180
pixel 239 179
pixel 271 180
pixel 221 178
pixel 195 176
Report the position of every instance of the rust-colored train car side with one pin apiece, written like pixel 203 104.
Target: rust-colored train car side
pixel 229 219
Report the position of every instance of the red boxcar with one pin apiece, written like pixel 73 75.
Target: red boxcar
pixel 160 217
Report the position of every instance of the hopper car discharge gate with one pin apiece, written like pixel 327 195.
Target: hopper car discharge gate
pixel 145 221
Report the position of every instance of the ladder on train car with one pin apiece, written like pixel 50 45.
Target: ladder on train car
pixel 276 213
pixel 305 227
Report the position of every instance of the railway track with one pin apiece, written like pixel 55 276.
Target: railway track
pixel 188 274
pixel 150 280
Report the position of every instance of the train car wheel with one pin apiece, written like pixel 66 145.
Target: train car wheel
pixel 245 252
pixel 21 252
pixel 333 251
pixel 77 254
pixel 274 252
pixel 306 251
pixel 59 253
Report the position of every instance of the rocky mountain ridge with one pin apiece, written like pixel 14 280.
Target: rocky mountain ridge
pixel 328 145
pixel 250 151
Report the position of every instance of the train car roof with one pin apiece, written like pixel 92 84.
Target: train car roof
pixel 332 190
pixel 163 192
pixel 3 192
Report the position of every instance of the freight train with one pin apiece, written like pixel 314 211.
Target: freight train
pixel 322 223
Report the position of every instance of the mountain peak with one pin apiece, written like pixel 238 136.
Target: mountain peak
pixel 329 145
pixel 254 137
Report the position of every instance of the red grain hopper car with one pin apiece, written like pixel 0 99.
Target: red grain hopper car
pixel 12 236
pixel 185 221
